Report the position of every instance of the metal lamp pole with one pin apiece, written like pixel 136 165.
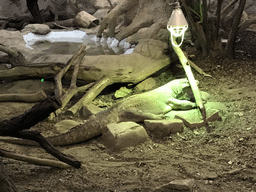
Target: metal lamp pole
pixel 177 26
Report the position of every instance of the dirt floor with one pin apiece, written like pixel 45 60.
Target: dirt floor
pixel 221 161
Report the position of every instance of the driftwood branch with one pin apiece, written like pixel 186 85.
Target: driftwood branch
pixel 198 69
pixel 16 57
pixel 45 70
pixel 18 127
pixel 91 94
pixel 74 61
pixel 67 96
pixel 33 160
pixel 80 55
pixel 20 97
pixel 35 136
pixel 76 58
pixel 194 66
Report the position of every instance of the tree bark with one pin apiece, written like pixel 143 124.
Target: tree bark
pixel 206 28
pixel 34 10
pixel 196 28
pixel 216 35
pixel 233 33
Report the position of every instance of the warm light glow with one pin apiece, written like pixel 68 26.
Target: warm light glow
pixel 178 31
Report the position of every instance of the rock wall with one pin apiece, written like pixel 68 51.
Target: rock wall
pixel 9 8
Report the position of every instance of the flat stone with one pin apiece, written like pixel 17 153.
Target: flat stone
pixel 212 115
pixel 164 128
pixel 125 134
pixel 40 29
pixel 186 185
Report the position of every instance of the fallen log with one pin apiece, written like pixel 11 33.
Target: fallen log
pixel 75 61
pixel 48 70
pixel 23 97
pixel 73 89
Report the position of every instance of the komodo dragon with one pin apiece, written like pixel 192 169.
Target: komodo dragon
pixel 149 105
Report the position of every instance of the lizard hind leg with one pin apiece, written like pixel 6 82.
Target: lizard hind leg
pixel 137 116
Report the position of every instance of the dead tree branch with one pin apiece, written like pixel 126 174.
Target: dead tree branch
pixel 91 94
pixel 18 127
pixel 33 160
pixel 76 58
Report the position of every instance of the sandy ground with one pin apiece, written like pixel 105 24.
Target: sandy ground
pixel 220 161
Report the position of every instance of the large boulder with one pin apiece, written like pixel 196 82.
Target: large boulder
pixel 10 8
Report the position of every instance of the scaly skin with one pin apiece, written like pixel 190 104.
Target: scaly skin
pixel 149 105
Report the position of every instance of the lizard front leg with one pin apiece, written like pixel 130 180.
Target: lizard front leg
pixel 181 104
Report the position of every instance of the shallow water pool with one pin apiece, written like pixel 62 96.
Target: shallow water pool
pixel 68 42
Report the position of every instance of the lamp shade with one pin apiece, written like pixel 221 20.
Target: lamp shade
pixel 177 24
pixel 177 19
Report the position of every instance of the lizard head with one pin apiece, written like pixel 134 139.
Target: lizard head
pixel 181 87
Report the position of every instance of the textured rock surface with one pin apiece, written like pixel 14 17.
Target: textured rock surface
pixel 186 185
pixel 125 134
pixel 164 128
pixel 40 29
